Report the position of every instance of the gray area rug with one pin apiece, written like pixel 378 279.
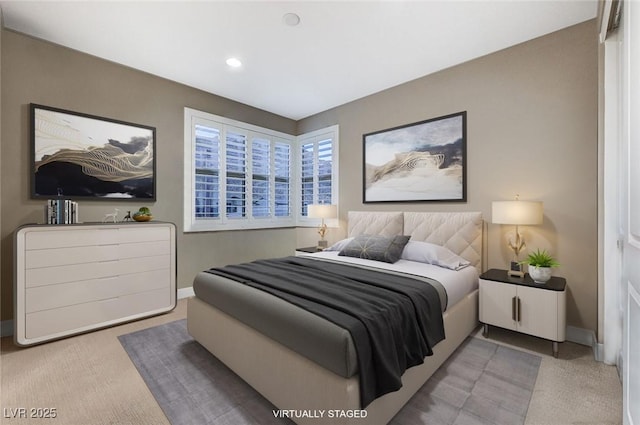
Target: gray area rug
pixel 481 383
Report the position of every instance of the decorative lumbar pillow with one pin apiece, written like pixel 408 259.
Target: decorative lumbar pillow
pixel 378 248
pixel 425 252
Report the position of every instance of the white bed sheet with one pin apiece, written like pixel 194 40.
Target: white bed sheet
pixel 457 283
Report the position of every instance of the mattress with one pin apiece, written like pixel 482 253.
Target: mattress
pixel 316 338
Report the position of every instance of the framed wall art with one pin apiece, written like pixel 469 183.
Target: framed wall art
pixel 423 161
pixel 81 156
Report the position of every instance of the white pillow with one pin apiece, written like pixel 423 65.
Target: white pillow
pixel 425 252
pixel 339 246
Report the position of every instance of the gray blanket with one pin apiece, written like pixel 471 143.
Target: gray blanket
pixel 394 322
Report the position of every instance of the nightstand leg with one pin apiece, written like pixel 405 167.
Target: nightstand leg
pixel 485 330
pixel 555 349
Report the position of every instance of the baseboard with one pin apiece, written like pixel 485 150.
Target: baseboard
pixel 6 328
pixel 598 351
pixel 185 292
pixel 620 366
pixel 586 337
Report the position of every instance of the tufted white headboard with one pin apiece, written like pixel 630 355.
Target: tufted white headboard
pixel 375 223
pixel 461 232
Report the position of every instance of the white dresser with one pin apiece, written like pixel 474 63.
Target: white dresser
pixel 76 278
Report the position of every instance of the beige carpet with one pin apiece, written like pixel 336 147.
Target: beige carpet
pixel 89 379
pixel 572 389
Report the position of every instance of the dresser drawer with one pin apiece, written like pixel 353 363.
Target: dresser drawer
pixel 93 254
pixel 81 317
pixel 64 237
pixel 39 258
pixel 87 271
pixel 144 234
pixel 142 249
pixel 55 296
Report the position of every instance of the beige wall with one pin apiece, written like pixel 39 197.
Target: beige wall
pixel 532 130
pixel 47 74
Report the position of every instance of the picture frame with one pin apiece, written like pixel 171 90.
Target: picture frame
pixel 424 161
pixel 80 156
pixel 515 269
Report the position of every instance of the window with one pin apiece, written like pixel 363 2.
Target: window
pixel 207 171
pixel 282 162
pixel 239 176
pixel 318 169
pixel 261 174
pixel 236 174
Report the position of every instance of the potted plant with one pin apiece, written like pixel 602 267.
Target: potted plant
pixel 540 263
pixel 143 214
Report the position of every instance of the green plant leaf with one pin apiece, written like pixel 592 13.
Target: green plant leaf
pixel 540 258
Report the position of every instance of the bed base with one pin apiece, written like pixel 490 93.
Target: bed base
pixel 293 382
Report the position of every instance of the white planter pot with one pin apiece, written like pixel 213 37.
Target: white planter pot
pixel 540 274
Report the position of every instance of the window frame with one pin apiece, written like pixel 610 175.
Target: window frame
pixel 295 217
pixel 316 137
pixel 194 117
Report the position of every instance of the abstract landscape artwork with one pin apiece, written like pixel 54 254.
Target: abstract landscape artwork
pixel 83 156
pixel 423 161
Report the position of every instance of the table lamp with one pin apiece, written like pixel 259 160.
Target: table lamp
pixel 322 211
pixel 518 213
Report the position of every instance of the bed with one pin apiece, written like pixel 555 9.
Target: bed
pixel 294 369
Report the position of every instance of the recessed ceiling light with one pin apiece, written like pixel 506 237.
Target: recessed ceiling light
pixel 234 62
pixel 291 19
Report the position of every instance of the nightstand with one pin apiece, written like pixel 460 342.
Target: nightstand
pixel 521 305
pixel 307 250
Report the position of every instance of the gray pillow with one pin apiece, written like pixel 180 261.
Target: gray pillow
pixel 378 248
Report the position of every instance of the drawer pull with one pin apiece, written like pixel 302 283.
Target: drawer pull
pixel 513 309
pixel 519 308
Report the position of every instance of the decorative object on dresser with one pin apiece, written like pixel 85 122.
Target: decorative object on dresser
pixel 322 211
pixel 422 161
pixel 518 213
pixel 111 217
pixel 524 306
pixel 77 278
pixel 61 211
pixel 90 157
pixel 143 214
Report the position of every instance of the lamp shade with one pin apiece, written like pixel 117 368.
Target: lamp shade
pixel 322 211
pixel 516 212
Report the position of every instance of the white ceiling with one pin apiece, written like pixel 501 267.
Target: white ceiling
pixel 340 51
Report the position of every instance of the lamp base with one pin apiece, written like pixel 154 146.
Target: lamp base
pixel 515 270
